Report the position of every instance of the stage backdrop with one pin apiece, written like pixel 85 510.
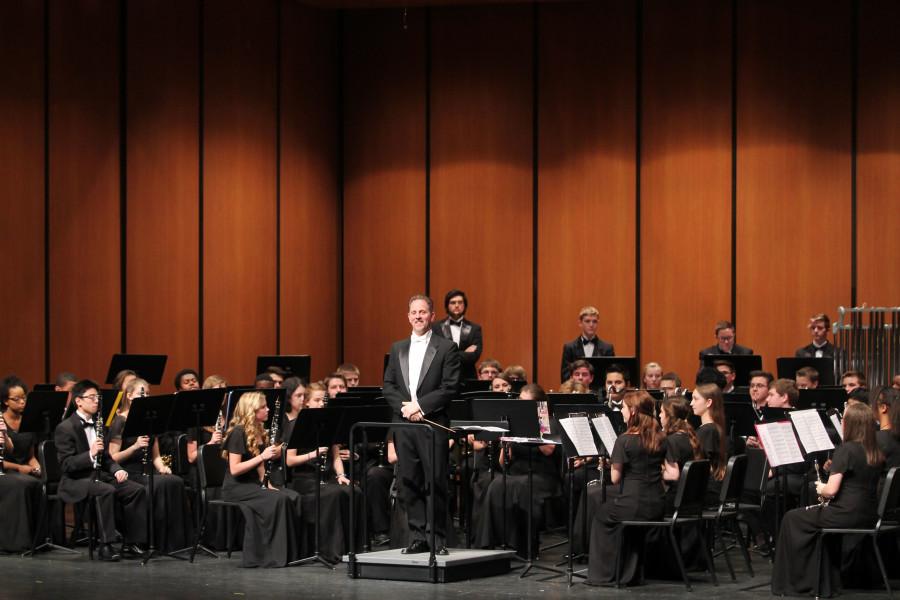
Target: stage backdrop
pixel 217 180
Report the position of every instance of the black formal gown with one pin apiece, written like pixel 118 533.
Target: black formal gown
pixel 890 447
pixel 514 512
pixel 334 507
pixel 20 497
pixel 271 517
pixel 215 535
pixel 794 572
pixel 640 496
pixel 172 525
pixel 708 434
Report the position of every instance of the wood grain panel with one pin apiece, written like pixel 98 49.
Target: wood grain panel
pixel 310 218
pixel 793 173
pixel 685 180
pixel 384 182
pixel 239 187
pixel 481 171
pixel 85 253
pixel 878 154
pixel 586 201
pixel 22 188
pixel 162 209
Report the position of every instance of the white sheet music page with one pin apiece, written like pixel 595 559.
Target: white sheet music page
pixel 579 431
pixel 779 443
pixel 605 429
pixel 836 421
pixel 811 430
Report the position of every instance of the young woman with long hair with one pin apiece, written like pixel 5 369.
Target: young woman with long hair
pixel 707 403
pixel 271 537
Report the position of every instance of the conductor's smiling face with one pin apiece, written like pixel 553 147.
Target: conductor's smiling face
pixel 420 316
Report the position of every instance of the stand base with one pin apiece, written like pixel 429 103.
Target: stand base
pixel 459 565
pixel 315 559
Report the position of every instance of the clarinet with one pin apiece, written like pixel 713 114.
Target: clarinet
pixel 98 429
pixel 823 501
pixel 145 457
pixel 3 446
pixel 273 436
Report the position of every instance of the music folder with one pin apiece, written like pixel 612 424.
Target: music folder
pixel 788 366
pixel 743 365
pixel 149 367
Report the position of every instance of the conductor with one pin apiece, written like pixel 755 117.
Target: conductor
pixel 420 381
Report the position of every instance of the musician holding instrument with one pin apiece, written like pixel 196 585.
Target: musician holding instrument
pixel 851 493
pixel 888 435
pixel 20 487
pixel 89 472
pixel 173 524
pixel 272 515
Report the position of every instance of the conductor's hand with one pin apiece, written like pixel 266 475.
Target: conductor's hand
pixel 96 447
pixel 471 348
pixel 121 476
pixel 411 411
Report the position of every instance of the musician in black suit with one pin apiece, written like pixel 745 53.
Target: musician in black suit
pixel 725 342
pixel 587 344
pixel 421 379
pixel 820 347
pixel 77 446
pixel 464 332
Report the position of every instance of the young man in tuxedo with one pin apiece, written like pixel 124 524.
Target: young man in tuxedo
pixel 725 342
pixel 421 379
pixel 586 344
pixel 465 333
pixel 820 347
pixel 89 472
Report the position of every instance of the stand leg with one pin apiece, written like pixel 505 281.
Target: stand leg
pixel 529 561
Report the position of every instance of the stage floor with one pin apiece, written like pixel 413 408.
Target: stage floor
pixel 58 576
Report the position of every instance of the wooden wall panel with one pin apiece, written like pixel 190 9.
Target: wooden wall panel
pixel 384 182
pixel 586 194
pixel 162 210
pixel 239 187
pixel 22 188
pixel 84 244
pixel 878 166
pixel 310 218
pixel 793 172
pixel 481 171
pixel 685 180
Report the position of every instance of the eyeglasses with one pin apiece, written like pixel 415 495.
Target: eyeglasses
pixel 758 385
pixel 92 397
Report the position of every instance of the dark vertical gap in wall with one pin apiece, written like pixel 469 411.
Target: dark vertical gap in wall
pixel 535 164
pixel 428 151
pixel 123 173
pixel 734 151
pixel 340 175
pixel 46 190
pixel 201 100
pixel 854 132
pixel 638 133
pixel 278 46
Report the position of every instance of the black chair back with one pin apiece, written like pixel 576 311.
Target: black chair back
pixel 182 466
pixel 733 483
pixel 889 503
pixel 211 466
pixel 756 475
pixel 51 472
pixel 691 491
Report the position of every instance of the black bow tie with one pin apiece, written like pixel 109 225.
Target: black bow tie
pixel 585 342
pixel 87 424
pixel 457 323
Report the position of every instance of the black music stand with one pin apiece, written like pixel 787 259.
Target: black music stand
pixel 601 363
pixel 149 367
pixel 475 385
pixel 151 416
pixel 743 365
pixel 296 365
pixel 788 366
pixel 43 387
pixel 823 398
pixel 740 419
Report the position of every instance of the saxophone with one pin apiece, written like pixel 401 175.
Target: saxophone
pixel 273 436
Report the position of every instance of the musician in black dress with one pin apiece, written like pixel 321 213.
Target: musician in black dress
pixel 271 515
pixel 636 469
pixel 707 403
pixel 173 528
pixel 888 436
pixel 307 475
pixel 855 469
pixel 682 442
pixel 20 488
pixel 513 515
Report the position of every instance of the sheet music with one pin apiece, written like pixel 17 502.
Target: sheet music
pixel 579 431
pixel 490 428
pixel 779 443
pixel 605 429
pixel 528 440
pixel 811 430
pixel 836 421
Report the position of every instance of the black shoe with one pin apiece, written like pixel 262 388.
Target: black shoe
pixel 381 539
pixel 442 551
pixel 416 547
pixel 108 554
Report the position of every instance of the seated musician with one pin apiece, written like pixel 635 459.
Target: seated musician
pixel 582 372
pixel 725 342
pixel 123 378
pixel 888 435
pixel 187 379
pixel 651 376
pixel 515 373
pixel 616 379
pixel 89 472
pixel 350 373
pixel 669 382
pixel 335 384
pixel 171 515
pixel 850 380
pixel 20 486
pixel 820 347
pixel 726 368
pixel 807 378
pixel 501 383
pixel 708 404
pixel 488 369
